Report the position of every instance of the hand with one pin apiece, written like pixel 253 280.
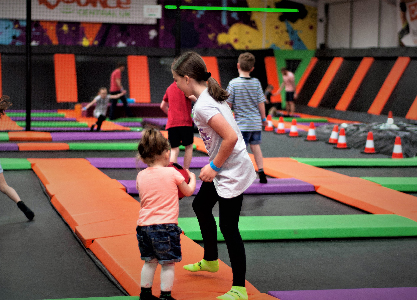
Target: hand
pixel 190 174
pixel 265 123
pixel 124 92
pixel 207 174
pixel 84 108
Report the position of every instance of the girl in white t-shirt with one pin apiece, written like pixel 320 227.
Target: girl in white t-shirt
pixel 157 227
pixel 229 173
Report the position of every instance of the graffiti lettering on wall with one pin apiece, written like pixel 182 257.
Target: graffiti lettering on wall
pixel 199 29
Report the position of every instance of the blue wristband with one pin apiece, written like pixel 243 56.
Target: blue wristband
pixel 264 119
pixel 213 166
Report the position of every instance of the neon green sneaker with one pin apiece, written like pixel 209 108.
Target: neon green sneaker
pixel 237 292
pixel 203 265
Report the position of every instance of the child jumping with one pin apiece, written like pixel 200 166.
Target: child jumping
pixel 229 173
pixel 101 101
pixel 180 125
pixel 157 227
pixel 248 103
pixel 4 187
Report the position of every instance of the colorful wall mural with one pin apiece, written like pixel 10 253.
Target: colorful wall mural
pixel 200 29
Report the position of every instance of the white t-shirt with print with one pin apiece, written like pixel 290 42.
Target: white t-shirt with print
pixel 237 173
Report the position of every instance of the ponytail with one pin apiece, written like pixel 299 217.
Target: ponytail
pixel 192 65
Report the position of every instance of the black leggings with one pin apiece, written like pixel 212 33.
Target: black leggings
pixel 229 211
pixel 100 121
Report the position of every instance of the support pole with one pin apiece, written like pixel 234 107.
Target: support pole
pixel 28 63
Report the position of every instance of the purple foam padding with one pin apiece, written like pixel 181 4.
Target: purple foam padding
pixel 129 124
pixel 274 186
pixel 130 186
pixel 60 128
pixel 156 121
pixel 44 119
pixel 132 163
pixel 403 293
pixel 9 147
pixel 95 136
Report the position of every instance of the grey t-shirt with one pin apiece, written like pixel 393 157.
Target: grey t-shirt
pixel 237 172
pixel 101 106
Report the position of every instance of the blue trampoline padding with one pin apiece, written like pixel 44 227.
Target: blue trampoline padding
pixel 274 186
pixel 311 227
pixel 132 163
pixel 15 164
pixel 402 184
pixel 403 293
pixel 358 162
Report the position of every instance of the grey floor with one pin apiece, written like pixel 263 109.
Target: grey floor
pixel 43 260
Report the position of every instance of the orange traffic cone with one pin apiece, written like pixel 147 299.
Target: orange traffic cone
pixel 369 146
pixel 397 151
pixel 293 130
pixel 341 142
pixel 281 126
pixel 334 136
pixel 311 135
pixel 390 119
pixel 270 126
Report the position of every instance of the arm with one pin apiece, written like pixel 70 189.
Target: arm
pixel 119 83
pixel 192 98
pixel 164 106
pixel 188 189
pixel 118 95
pixel 229 136
pixel 90 104
pixel 261 107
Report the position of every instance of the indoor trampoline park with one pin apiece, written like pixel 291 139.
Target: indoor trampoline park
pixel 336 215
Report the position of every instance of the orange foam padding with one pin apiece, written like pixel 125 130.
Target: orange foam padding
pixel 106 125
pixel 370 197
pixel 198 142
pixel 138 74
pixel 325 82
pixel 30 136
pixel 65 78
pixel 43 146
pixel 388 86
pixel 213 67
pixel 354 83
pixel 412 112
pixel 121 257
pixel 306 73
pixel 272 76
pixel 7 124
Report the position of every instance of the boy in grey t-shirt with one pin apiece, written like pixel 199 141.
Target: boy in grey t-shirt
pixel 247 101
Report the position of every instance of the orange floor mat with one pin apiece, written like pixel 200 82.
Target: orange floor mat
pixel 30 136
pixel 7 124
pixel 43 146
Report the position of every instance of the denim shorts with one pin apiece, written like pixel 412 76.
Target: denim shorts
pixel 252 137
pixel 160 241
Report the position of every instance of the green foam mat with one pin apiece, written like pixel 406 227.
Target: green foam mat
pixel 35 114
pixel 310 227
pixel 135 128
pixel 104 146
pixel 4 136
pixel 401 184
pixel 358 162
pixel 304 120
pixel 182 148
pixel 15 164
pixel 128 120
pixel 53 124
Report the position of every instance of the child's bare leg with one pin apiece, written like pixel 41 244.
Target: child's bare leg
pixel 146 280
pixel 188 155
pixel 259 160
pixel 167 280
pixel 174 154
pixel 12 194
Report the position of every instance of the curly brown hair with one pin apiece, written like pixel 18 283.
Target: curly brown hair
pixel 4 104
pixel 152 144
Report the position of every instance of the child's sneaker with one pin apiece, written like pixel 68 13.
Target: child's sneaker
pixel 166 296
pixel 237 292
pixel 203 265
pixel 262 177
pixel 26 210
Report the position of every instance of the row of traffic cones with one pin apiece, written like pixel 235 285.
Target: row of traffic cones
pixel 311 136
pixel 340 140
